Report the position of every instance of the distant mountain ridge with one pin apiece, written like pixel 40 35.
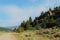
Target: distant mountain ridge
pixel 5 29
pixel 12 27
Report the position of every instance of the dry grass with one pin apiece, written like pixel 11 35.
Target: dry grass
pixel 31 35
pixel 44 34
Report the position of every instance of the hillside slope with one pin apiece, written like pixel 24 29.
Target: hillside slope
pixel 48 19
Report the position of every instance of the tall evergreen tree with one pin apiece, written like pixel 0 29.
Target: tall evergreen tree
pixel 20 29
pixel 42 13
pixel 30 19
pixel 37 26
pixel 28 26
pixel 23 24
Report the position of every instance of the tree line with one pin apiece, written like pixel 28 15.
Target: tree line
pixel 48 19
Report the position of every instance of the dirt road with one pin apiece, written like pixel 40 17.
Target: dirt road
pixel 8 36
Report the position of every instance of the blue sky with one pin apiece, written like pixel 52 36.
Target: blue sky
pixel 13 12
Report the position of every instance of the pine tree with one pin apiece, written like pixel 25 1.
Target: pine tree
pixel 23 24
pixel 58 22
pixel 20 29
pixel 52 20
pixel 37 26
pixel 30 19
pixel 42 13
pixel 28 26
pixel 44 21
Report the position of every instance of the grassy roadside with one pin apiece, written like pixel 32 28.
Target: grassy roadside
pixel 44 34
pixel 30 35
pixel 1 33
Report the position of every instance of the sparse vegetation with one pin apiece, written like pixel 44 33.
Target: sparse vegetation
pixel 44 27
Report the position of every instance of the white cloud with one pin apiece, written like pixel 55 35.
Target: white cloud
pixel 17 14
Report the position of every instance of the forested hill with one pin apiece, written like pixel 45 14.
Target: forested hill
pixel 48 19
